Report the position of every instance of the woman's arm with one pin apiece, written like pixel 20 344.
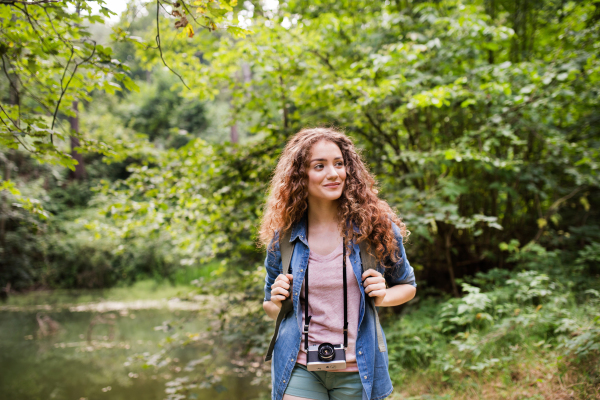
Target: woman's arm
pixel 397 295
pixel 401 285
pixel 374 284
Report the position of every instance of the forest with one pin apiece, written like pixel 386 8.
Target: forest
pixel 137 148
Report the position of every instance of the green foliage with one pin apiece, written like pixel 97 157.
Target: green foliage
pixel 85 261
pixel 62 254
pixel 507 314
pixel 206 15
pixel 49 62
pixel 40 244
pixel 162 114
pixel 205 198
pixel 589 259
pixel 475 139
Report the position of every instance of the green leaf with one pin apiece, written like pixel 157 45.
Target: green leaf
pixel 238 32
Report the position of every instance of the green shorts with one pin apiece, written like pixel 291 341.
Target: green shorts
pixel 324 385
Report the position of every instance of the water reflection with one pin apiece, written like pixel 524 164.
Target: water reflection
pixel 62 354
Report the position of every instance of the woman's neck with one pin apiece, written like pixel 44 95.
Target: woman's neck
pixel 322 213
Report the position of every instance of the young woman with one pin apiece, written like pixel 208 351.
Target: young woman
pixel 324 195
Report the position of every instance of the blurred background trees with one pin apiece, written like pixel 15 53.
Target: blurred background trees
pixel 480 126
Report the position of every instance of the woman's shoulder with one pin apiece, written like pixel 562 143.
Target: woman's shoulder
pixel 395 228
pixel 397 231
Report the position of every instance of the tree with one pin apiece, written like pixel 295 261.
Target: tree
pixel 473 146
pixel 51 64
pixel 50 61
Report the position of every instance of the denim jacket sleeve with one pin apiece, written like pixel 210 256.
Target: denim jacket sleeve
pixel 272 265
pixel 401 272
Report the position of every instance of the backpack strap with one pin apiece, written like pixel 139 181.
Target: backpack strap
pixel 369 262
pixel 287 305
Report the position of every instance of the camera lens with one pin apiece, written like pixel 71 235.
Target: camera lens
pixel 326 352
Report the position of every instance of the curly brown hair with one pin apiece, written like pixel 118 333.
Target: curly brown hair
pixel 288 196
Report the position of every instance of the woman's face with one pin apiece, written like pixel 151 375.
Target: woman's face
pixel 326 171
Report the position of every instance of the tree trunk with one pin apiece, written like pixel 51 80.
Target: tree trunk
pixel 15 100
pixel 490 6
pixel 246 77
pixel 79 172
pixel 448 236
pixel 3 213
pixel 234 133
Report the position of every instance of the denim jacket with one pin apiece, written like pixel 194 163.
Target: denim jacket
pixel 372 364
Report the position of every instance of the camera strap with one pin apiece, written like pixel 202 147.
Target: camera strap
pixel 345 295
pixel 307 317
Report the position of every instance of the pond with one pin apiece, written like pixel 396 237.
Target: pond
pixel 54 348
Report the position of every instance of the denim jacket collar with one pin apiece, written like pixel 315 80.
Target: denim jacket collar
pixel 299 229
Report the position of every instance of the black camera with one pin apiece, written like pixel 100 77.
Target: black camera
pixel 326 357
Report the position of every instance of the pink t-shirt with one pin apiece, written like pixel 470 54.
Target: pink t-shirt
pixel 326 305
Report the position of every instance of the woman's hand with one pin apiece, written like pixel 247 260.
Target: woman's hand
pixel 280 289
pixel 279 292
pixel 374 284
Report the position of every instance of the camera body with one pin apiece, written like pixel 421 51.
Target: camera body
pixel 326 357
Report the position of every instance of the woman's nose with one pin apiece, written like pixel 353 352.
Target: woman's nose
pixel 332 173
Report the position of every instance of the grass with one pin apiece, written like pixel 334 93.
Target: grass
pixel 141 290
pixel 184 276
pixel 541 375
pixel 528 338
pixel 179 285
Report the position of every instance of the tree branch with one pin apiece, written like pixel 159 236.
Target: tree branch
pixel 33 22
pixel 554 208
pixel 34 78
pixel 11 131
pixel 8 76
pixel 32 3
pixel 160 48
pixel 190 14
pixel 370 118
pixel 62 92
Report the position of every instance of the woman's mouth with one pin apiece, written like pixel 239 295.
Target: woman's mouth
pixel 333 185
